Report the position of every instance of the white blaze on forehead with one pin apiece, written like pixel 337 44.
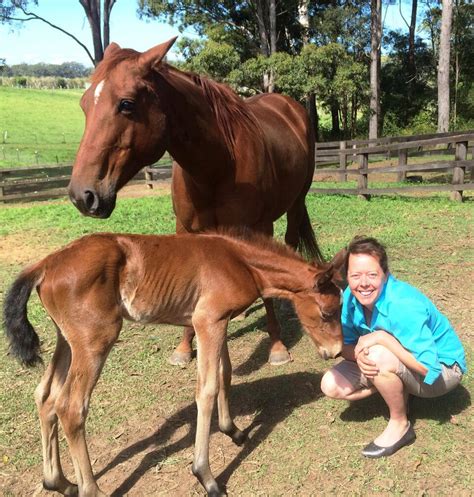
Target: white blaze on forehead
pixel 98 91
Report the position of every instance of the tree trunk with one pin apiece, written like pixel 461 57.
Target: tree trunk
pixel 93 10
pixel 375 44
pixel 273 41
pixel 108 5
pixel 443 66
pixel 411 39
pixel 303 18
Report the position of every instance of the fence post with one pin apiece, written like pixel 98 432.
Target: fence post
pixel 402 162
pixel 2 191
pixel 458 172
pixel 362 178
pixel 342 161
pixel 148 177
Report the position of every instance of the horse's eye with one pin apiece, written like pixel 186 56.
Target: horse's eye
pixel 126 106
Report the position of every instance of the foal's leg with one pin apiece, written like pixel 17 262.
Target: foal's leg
pixel 210 339
pixel 45 396
pixel 226 423
pixel 183 353
pixel 89 352
pixel 278 352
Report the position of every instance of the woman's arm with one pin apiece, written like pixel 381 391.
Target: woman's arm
pixel 381 337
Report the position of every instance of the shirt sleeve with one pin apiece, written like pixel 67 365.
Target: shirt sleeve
pixel 412 330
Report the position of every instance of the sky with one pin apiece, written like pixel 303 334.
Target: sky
pixel 37 42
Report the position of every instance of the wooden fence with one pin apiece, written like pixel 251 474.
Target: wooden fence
pixel 353 159
pixel 334 159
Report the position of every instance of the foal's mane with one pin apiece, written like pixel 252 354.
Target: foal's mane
pixel 258 241
pixel 228 108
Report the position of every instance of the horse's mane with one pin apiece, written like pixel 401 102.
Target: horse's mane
pixel 258 240
pixel 228 108
pixel 106 65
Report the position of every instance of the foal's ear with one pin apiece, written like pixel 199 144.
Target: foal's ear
pixel 324 278
pixel 150 59
pixel 112 48
pixel 339 263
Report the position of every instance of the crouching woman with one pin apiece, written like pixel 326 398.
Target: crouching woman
pixel 396 342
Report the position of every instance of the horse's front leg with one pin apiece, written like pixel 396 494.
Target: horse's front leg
pixel 226 423
pixel 210 340
pixel 183 353
pixel 278 352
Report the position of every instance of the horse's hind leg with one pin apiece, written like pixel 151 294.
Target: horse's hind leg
pixel 45 396
pixel 89 352
pixel 226 423
pixel 183 353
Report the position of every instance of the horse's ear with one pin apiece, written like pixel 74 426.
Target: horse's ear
pixel 324 277
pixel 339 264
pixel 112 48
pixel 151 58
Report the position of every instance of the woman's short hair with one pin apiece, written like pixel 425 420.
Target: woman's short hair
pixel 370 246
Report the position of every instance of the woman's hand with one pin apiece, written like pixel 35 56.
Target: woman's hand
pixel 367 367
pixel 369 340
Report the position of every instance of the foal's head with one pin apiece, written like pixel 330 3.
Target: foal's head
pixel 319 311
pixel 125 127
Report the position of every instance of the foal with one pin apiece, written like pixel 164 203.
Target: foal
pixel 92 284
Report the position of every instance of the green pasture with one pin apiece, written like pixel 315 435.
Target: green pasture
pixel 300 443
pixel 39 126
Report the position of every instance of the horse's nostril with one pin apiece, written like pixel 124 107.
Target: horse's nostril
pixel 91 200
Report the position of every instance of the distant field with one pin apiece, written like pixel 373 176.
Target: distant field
pixel 39 126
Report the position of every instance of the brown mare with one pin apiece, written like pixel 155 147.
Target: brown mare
pixel 236 162
pixel 92 284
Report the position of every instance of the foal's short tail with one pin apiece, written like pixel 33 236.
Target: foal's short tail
pixel 307 243
pixel 22 337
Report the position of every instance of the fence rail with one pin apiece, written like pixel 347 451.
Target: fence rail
pixel 362 152
pixel 347 158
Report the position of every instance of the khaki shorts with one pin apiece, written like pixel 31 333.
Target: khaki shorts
pixel 449 378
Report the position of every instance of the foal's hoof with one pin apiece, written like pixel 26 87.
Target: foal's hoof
pixel 239 437
pixel 279 358
pixel 180 358
pixel 64 487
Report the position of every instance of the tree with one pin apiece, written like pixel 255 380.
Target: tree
pixel 97 12
pixel 443 66
pixel 375 63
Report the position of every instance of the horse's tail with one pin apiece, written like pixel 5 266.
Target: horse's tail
pixel 23 340
pixel 307 243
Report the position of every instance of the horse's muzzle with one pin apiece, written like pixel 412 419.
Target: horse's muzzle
pixel 90 203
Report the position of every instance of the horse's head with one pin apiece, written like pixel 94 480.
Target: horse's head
pixel 125 127
pixel 319 311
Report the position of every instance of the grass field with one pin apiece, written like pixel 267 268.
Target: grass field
pixel 142 412
pixel 48 122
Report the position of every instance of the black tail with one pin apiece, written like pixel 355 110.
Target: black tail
pixel 307 243
pixel 23 339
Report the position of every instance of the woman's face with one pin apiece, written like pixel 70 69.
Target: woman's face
pixel 366 278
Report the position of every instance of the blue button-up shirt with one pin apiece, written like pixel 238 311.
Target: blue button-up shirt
pixel 411 317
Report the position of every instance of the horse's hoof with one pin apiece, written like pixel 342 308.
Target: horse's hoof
pixel 64 487
pixel 239 437
pixel 180 358
pixel 279 358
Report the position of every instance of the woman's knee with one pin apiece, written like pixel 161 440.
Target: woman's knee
pixel 386 361
pixel 332 386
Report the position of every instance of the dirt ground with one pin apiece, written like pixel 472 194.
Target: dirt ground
pixel 152 453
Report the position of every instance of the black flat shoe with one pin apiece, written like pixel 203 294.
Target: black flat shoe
pixel 373 450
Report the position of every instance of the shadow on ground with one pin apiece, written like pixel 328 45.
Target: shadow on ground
pixel 273 399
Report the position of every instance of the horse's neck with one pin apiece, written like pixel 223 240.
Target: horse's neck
pixel 195 140
pixel 279 276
